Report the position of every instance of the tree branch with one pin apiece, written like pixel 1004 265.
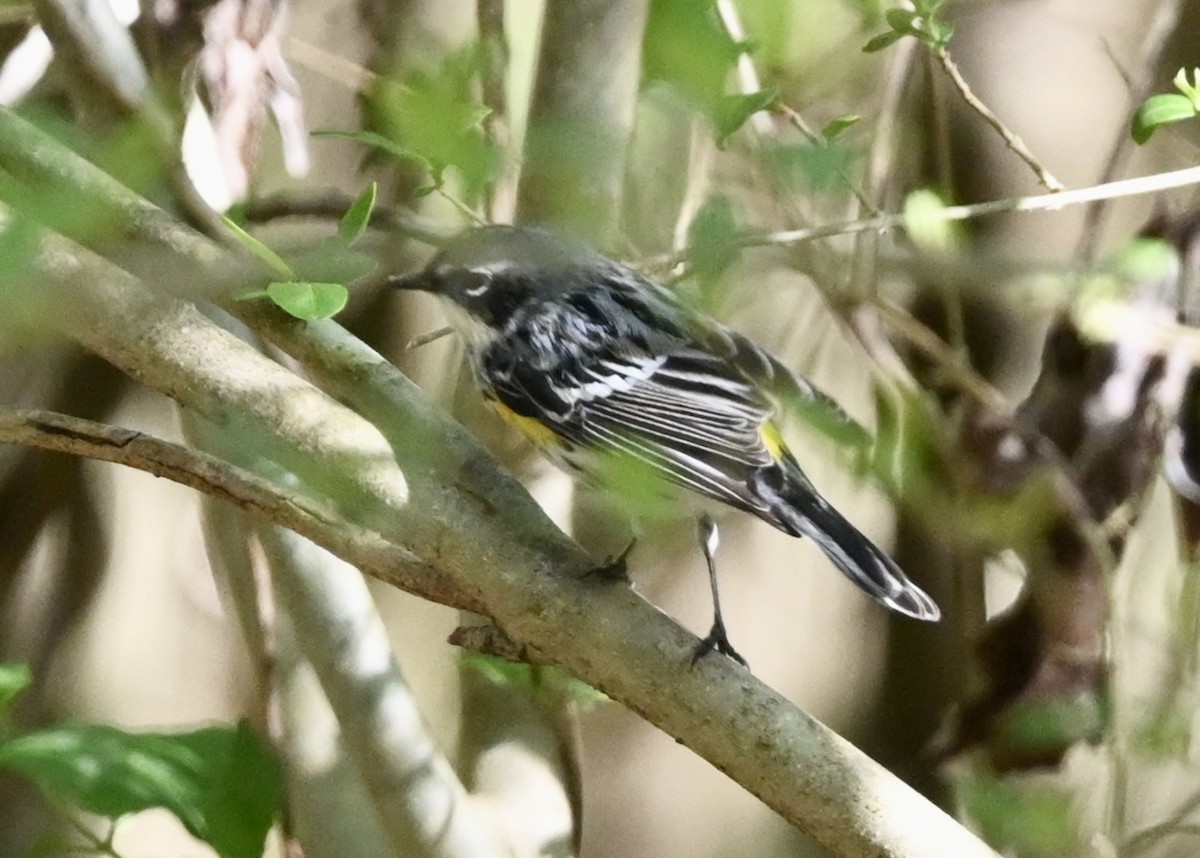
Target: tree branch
pixel 433 489
pixel 581 115
pixel 245 490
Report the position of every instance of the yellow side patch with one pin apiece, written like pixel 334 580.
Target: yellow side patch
pixel 772 440
pixel 537 432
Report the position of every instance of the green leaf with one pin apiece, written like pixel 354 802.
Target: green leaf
pixel 712 242
pixel 809 166
pixel 1158 110
pixel 380 142
pixel 222 784
pixel 883 40
pixel 687 48
pixel 731 111
pixel 535 681
pixel 436 117
pixel 266 254
pixel 14 679
pixel 939 32
pixel 903 21
pixel 834 128
pixel 308 301
pixel 1188 88
pixel 354 222
pixel 926 8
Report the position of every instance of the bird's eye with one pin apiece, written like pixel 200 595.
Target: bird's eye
pixel 482 282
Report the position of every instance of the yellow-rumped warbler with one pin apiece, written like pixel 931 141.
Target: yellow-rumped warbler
pixel 595 363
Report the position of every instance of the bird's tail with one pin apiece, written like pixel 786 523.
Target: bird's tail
pixel 807 513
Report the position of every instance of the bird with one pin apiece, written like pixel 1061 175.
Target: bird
pixel 623 384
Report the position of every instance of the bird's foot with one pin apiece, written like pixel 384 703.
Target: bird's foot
pixel 718 640
pixel 615 568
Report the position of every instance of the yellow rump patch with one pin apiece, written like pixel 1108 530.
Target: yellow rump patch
pixel 536 431
pixel 772 440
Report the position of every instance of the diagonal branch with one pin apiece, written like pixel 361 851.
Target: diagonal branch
pixel 1007 134
pixel 432 488
pixel 302 513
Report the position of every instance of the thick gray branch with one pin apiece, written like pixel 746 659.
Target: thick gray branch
pixel 434 490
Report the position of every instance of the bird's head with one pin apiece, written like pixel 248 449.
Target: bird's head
pixel 491 271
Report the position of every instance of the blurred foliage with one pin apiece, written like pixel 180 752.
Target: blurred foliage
pixel 1021 818
pixel 550 684
pixel 809 167
pixel 436 120
pixel 688 50
pixel 222 783
pixel 712 247
pixel 925 225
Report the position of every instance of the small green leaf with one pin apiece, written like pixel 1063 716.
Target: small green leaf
pixel 903 21
pixel 1188 88
pixel 883 40
pixel 731 111
pixel 222 784
pixel 14 679
pixel 378 141
pixel 835 127
pixel 939 32
pixel 266 254
pixel 354 222
pixel 309 301
pixel 1160 110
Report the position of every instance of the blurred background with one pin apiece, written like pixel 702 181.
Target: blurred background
pixel 935 340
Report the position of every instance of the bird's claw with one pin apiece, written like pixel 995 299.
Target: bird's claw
pixel 717 640
pixel 615 568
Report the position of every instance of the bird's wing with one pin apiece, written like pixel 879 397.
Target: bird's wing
pixel 650 392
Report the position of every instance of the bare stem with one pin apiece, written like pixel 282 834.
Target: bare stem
pixel 1010 138
pixel 1166 19
pixel 1037 203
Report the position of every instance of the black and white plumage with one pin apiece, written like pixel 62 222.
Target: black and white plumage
pixel 596 363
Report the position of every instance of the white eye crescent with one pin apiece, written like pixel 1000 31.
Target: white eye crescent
pixel 484 284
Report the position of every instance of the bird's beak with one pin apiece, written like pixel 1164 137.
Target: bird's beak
pixel 420 281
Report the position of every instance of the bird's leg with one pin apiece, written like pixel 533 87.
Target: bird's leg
pixel 614 568
pixel 716 639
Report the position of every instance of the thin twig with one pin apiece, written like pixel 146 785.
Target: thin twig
pixel 427 338
pixel 1037 203
pixel 501 196
pixel 880 159
pixel 1166 19
pixel 949 361
pixel 1139 840
pixel 1010 138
